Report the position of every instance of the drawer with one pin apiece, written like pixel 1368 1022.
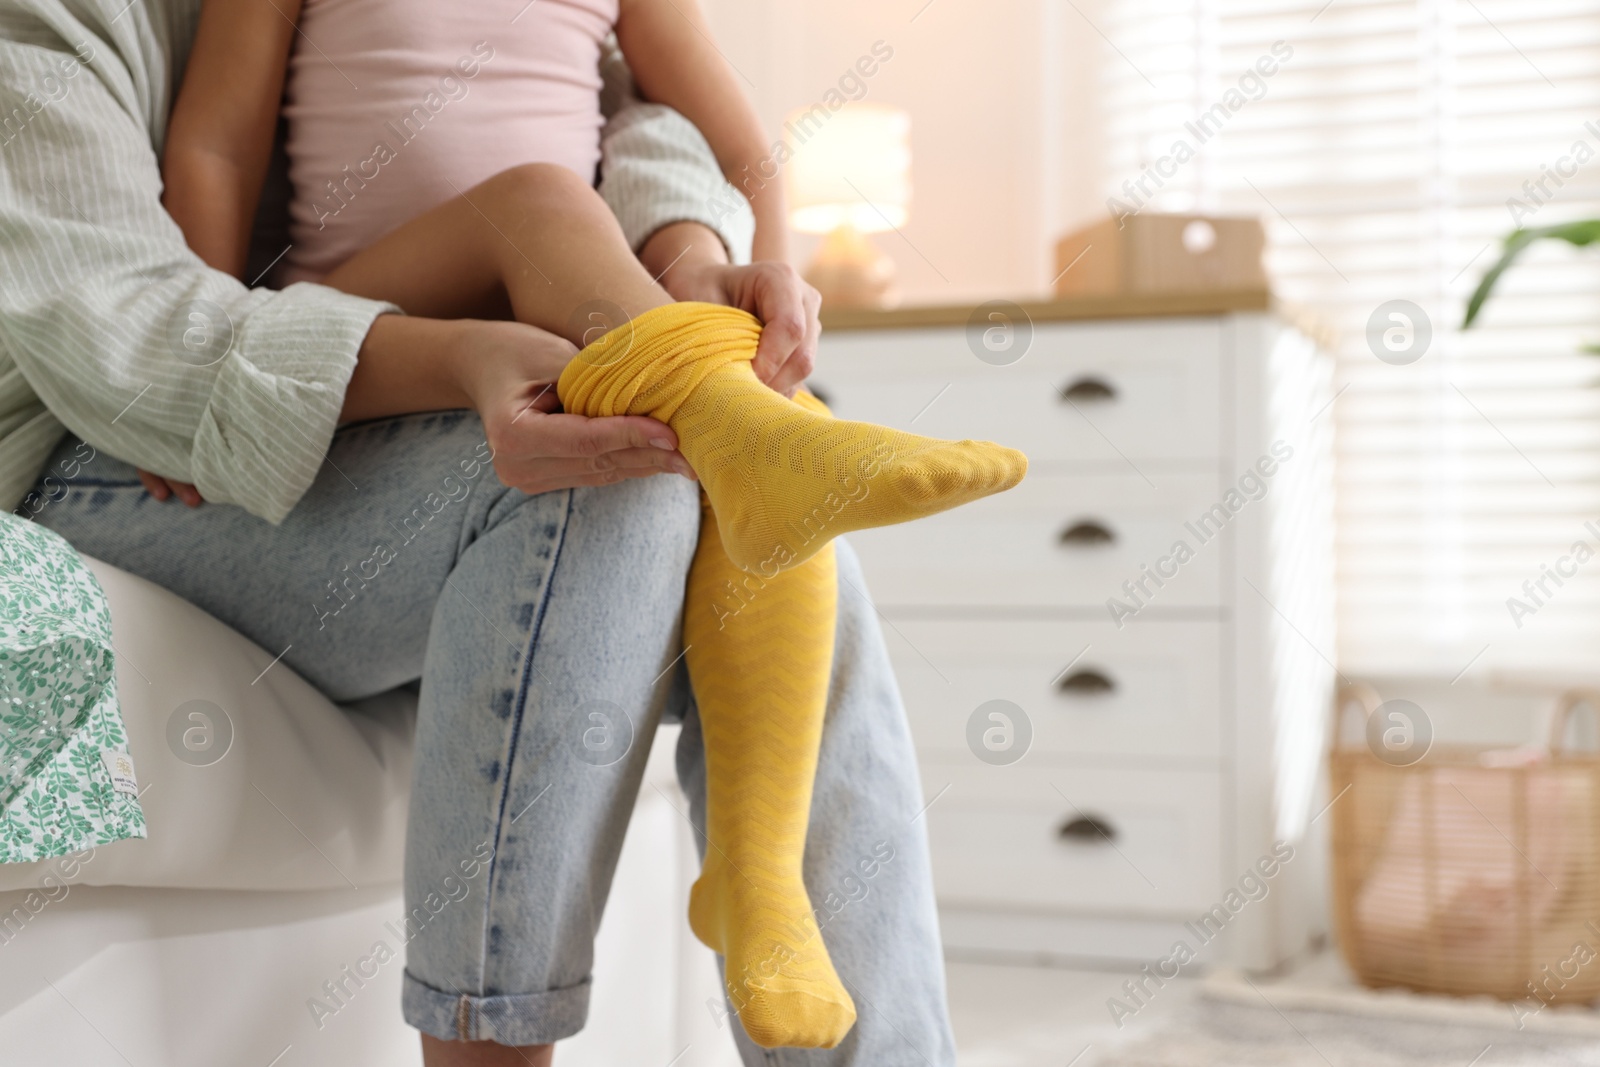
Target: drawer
pixel 1056 540
pixel 1098 392
pixel 1147 690
pixel 1031 837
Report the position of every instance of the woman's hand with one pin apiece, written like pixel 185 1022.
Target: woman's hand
pixel 508 372
pixel 774 293
pixel 693 265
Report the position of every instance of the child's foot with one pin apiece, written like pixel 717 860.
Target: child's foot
pixel 777 973
pixel 784 478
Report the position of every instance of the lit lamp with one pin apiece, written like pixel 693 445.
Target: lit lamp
pixel 850 175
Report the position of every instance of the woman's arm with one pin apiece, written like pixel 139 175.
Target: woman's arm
pixel 506 371
pixel 100 293
pixel 219 139
pixel 668 46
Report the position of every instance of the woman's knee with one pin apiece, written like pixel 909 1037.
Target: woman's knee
pixel 638 538
pixel 663 511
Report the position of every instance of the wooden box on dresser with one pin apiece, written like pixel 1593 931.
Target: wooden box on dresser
pixel 1153 605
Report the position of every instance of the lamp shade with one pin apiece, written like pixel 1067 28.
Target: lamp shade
pixel 849 167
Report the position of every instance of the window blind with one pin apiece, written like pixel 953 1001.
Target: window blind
pixel 1387 154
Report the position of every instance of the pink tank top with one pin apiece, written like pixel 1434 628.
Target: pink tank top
pixel 395 105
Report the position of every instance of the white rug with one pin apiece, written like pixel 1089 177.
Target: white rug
pixel 1234 1023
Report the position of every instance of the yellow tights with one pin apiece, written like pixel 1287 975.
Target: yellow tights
pixel 782 479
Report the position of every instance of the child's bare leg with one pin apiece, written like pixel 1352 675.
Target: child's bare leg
pixel 537 236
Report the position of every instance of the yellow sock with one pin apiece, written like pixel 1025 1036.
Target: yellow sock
pixel 783 480
pixel 760 651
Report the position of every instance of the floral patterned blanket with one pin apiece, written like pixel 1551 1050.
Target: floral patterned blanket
pixel 66 781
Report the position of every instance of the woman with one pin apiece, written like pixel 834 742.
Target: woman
pixel 110 327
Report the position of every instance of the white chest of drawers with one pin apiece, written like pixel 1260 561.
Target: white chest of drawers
pixel 1143 766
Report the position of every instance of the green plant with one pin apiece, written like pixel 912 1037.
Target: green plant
pixel 1579 234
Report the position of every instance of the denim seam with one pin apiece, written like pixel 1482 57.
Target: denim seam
pixel 516 732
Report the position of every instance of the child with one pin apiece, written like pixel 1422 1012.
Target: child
pixel 441 156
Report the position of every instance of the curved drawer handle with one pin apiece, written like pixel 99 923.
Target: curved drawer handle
pixel 1087 682
pixel 1087 830
pixel 1089 390
pixel 1087 533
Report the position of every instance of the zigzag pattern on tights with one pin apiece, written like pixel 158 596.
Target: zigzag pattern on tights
pixel 760 667
pixel 784 479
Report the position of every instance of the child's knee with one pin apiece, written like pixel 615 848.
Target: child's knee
pixel 541 185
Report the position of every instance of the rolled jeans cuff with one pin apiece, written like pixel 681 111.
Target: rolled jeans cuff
pixel 515 1019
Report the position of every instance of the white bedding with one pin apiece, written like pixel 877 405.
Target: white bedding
pixel 299 769
pixel 107 977
pixel 185 976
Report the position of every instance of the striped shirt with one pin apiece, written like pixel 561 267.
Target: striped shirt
pixel 110 327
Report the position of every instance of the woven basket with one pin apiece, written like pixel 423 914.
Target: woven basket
pixel 1462 874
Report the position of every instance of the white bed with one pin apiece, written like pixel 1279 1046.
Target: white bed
pixel 272 868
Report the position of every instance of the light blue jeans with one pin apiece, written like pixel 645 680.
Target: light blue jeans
pixel 545 632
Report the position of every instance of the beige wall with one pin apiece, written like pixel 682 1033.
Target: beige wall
pixel 1001 156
